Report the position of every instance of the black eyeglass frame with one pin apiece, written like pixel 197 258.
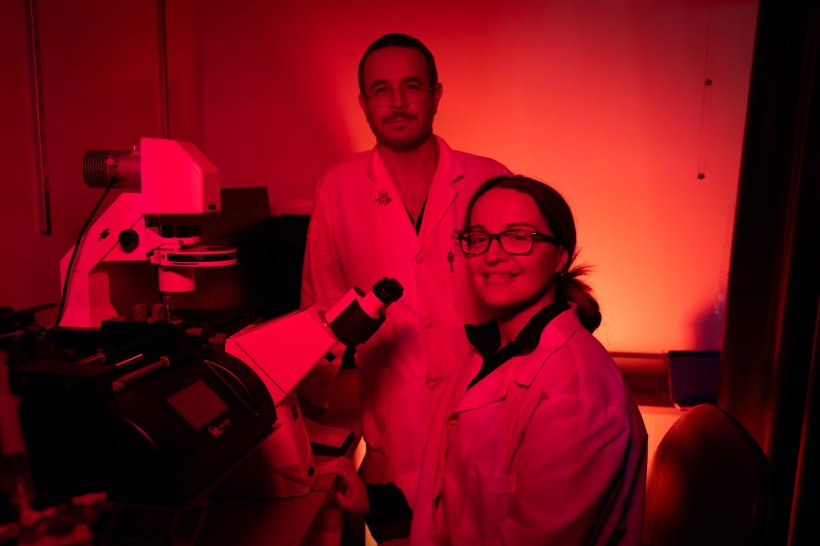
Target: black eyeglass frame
pixel 425 93
pixel 535 236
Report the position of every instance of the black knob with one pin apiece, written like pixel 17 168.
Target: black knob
pixel 388 290
pixel 129 240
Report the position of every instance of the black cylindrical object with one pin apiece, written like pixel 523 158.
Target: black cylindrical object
pixel 104 167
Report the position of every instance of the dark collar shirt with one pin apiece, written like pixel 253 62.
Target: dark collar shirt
pixel 487 339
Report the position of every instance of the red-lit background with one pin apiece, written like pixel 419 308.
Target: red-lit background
pixel 605 100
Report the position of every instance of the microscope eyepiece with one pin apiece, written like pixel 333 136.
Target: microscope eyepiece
pixel 388 290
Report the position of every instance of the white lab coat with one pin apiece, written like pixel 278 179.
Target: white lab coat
pixel 548 449
pixel 360 232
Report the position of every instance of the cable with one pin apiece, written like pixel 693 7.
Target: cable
pixel 80 237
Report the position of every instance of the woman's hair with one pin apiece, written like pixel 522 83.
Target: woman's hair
pixel 559 218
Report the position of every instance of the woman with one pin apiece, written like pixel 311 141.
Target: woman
pixel 537 440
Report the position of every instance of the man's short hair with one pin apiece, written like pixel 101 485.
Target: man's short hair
pixel 400 40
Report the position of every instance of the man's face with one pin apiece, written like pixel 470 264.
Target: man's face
pixel 401 119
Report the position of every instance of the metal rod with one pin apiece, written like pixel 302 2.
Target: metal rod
pixel 124 380
pixel 96 358
pixel 162 61
pixel 130 360
pixel 38 113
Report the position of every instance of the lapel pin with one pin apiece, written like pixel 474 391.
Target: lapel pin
pixel 383 199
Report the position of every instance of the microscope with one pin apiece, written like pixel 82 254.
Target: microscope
pixel 282 351
pixel 159 415
pixel 160 177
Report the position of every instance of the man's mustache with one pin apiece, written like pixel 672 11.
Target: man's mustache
pixel 399 116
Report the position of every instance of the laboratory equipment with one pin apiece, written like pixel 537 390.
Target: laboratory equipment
pixel 161 177
pixel 156 411
pixel 282 351
pixel 161 413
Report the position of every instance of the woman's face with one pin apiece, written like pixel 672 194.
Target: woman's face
pixel 512 284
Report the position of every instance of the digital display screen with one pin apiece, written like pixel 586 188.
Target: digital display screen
pixel 197 404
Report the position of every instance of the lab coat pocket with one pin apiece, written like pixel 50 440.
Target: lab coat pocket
pixel 487 504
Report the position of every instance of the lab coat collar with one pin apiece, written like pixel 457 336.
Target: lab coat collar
pixel 443 190
pixel 554 336
pixel 487 338
pixel 520 370
pixel 483 393
pixel 450 168
pixel 376 171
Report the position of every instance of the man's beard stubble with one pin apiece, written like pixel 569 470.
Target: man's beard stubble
pixel 401 143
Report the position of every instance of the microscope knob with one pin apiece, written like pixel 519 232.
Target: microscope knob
pixel 129 240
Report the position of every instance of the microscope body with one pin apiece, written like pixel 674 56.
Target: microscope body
pixel 282 352
pixel 160 177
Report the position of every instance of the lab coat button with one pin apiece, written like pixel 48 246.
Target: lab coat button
pixel 427 322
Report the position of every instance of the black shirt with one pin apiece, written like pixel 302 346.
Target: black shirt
pixel 487 339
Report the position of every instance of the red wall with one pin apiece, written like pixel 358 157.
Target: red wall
pixel 604 100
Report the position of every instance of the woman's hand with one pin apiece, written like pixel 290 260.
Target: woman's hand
pixel 350 493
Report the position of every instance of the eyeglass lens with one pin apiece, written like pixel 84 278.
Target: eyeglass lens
pixel 512 242
pixel 412 93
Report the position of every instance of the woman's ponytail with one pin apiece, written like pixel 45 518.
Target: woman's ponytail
pixel 576 291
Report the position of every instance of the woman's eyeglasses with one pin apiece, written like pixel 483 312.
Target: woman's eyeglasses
pixel 516 242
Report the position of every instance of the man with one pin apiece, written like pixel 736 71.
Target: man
pixel 394 211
